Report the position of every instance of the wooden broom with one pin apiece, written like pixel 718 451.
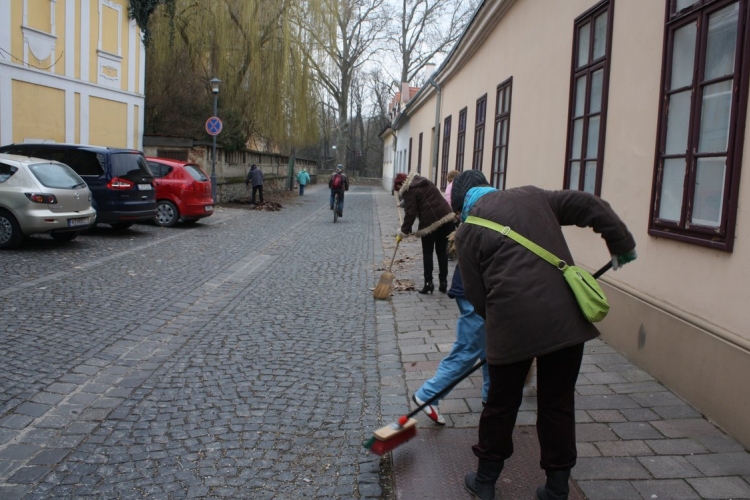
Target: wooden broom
pixel 383 289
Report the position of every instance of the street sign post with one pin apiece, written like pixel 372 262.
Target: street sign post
pixel 213 127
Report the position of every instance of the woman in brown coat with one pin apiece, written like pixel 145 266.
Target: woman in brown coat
pixel 530 312
pixel 422 199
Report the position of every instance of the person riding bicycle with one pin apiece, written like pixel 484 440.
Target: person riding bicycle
pixel 338 182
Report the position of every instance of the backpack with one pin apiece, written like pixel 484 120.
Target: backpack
pixel 337 182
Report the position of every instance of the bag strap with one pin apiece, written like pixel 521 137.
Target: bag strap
pixel 507 231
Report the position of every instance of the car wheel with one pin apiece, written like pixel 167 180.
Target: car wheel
pixel 121 225
pixel 166 214
pixel 10 232
pixel 67 236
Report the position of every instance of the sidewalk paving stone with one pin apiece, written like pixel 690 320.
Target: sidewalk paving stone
pixel 721 487
pixel 665 489
pixel 669 467
pixel 623 448
pixel 635 430
pixel 609 490
pixel 722 464
pixel 609 468
pixel 676 446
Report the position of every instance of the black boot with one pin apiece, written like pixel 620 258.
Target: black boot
pixel 443 285
pixel 481 483
pixel 427 288
pixel 557 486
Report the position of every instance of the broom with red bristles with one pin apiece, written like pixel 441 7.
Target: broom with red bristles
pixel 402 430
pixel 387 438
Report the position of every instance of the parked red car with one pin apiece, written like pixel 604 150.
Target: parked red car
pixel 183 191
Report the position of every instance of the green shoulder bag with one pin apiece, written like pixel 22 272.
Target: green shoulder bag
pixel 588 293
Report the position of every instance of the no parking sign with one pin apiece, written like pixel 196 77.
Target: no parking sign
pixel 214 125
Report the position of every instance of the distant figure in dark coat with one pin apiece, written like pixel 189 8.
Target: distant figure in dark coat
pixel 255 179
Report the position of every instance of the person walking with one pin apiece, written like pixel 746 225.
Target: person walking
pixel 255 179
pixel 529 312
pixel 466 351
pixel 338 183
pixel 423 200
pixel 303 178
pixel 449 186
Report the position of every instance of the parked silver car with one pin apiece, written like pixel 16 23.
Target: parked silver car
pixel 41 196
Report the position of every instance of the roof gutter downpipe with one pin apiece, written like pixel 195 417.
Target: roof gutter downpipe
pixel 436 134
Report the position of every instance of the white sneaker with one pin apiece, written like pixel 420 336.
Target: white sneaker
pixel 430 410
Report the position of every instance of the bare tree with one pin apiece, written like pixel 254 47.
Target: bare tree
pixel 369 98
pixel 428 27
pixel 341 37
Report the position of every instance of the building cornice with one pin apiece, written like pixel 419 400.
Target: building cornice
pixel 485 19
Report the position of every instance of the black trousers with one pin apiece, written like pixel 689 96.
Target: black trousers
pixel 557 373
pixel 436 241
pixel 258 189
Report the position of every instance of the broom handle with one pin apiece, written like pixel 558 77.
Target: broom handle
pixel 476 366
pixel 394 256
pixel 606 267
pixel 398 211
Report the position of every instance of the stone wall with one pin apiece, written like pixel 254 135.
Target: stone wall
pixel 231 167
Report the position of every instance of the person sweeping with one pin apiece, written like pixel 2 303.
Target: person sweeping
pixel 423 200
pixel 529 312
pixel 467 350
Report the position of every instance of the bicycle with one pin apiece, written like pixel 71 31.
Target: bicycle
pixel 336 206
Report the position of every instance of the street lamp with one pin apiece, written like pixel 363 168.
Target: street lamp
pixel 215 91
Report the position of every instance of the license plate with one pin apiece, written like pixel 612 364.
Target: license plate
pixel 78 222
pixel 209 208
pixel 145 187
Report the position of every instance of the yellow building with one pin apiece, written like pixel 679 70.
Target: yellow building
pixel 71 71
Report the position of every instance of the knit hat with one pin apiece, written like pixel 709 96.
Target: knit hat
pixel 399 180
pixel 461 185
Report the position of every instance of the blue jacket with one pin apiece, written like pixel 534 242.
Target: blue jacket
pixel 303 178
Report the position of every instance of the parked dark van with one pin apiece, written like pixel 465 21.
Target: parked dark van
pixel 119 179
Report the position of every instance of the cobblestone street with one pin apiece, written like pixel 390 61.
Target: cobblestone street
pixel 235 358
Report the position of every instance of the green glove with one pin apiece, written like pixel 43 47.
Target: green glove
pixel 620 260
